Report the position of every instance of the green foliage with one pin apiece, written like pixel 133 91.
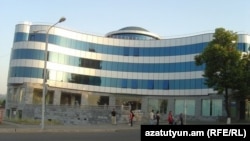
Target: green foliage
pixel 221 58
pixel 2 103
pixel 223 63
pixel 243 84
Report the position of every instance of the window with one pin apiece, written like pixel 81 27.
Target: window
pixel 136 52
pixel 134 84
pixel 124 83
pixel 125 51
pixel 185 106
pixel 150 84
pixel 211 107
pixel 165 84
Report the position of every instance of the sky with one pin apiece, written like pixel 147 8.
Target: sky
pixel 166 18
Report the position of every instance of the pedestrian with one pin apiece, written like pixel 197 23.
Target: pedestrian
pixel 157 118
pixel 131 117
pixel 113 117
pixel 181 118
pixel 152 117
pixel 170 118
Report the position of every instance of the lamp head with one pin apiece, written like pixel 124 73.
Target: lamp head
pixel 62 19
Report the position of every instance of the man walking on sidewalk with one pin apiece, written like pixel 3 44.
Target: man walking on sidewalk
pixel 113 117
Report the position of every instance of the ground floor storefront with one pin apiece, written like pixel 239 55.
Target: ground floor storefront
pixel 24 101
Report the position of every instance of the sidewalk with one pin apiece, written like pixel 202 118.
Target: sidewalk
pixel 9 127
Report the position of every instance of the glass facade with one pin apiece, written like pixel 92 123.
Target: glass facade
pixel 124 68
pixel 61 76
pixel 113 50
pixel 212 107
pixel 186 107
pixel 81 62
pixel 106 65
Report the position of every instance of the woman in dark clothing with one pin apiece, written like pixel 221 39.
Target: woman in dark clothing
pixel 157 117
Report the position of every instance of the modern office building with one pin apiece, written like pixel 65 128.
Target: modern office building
pixel 130 67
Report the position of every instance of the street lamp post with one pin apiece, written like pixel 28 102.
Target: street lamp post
pixel 45 70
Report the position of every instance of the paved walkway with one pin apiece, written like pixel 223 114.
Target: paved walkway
pixel 9 127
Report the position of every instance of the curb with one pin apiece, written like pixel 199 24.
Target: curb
pixel 17 128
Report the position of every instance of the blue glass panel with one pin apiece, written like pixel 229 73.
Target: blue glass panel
pixel 198 83
pixel 125 67
pixel 172 51
pixel 193 48
pixel 150 84
pixel 34 73
pixel 199 47
pixel 40 37
pixel 17 54
pixel 62 42
pixel 144 84
pixel 129 83
pixel 134 84
pixel 178 50
pixel 182 84
pixel 124 83
pixel 97 81
pixel 106 65
pixel 160 84
pixel 91 80
pixel 151 68
pixel 77 44
pixel 192 84
pixel 119 83
pixel 36 37
pixel 136 52
pixel 57 40
pixel 156 51
pixel 113 82
pixel 165 84
pixel 108 82
pixel 139 84
pixel 125 51
pixel 156 84
pixel 146 51
pixel 98 48
pixel 152 52
pixel 76 61
pixel 20 36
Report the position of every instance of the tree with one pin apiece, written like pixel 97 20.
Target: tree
pixel 221 59
pixel 2 103
pixel 242 91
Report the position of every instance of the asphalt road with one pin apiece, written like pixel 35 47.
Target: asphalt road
pixel 124 135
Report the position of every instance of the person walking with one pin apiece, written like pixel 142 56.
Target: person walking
pixel 151 117
pixel 157 118
pixel 113 117
pixel 181 118
pixel 131 117
pixel 170 118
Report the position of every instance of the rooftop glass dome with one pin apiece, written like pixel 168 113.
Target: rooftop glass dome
pixel 133 33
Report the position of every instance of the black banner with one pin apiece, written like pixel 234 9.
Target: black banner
pixel 204 132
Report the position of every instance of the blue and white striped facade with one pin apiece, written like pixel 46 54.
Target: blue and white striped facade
pixel 149 70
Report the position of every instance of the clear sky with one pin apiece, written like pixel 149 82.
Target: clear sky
pixel 167 18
